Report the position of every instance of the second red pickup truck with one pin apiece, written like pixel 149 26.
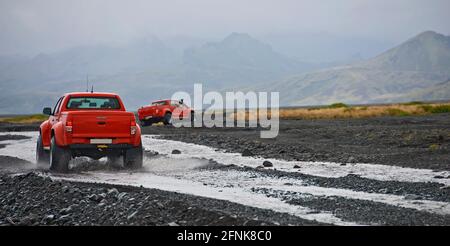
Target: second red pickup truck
pixel 89 124
pixel 164 111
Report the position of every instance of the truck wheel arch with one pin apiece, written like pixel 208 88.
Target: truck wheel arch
pixel 45 132
pixel 58 132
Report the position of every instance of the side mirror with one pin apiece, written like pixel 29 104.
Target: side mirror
pixel 47 111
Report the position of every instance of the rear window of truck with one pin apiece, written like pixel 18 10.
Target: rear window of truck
pixel 93 103
pixel 158 103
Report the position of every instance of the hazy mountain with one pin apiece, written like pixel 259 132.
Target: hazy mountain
pixel 28 84
pixel 427 52
pixel 148 69
pixel 239 51
pixel 77 62
pixel 416 69
pixel 240 58
pixel 325 47
pixel 141 71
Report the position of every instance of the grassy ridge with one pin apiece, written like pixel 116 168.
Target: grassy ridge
pixel 340 110
pixel 25 119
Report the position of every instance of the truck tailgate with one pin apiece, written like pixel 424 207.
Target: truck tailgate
pixel 101 124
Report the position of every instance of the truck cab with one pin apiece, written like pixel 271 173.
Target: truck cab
pixel 95 125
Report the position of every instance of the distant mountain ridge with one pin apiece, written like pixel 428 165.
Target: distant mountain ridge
pixel 415 70
pixel 238 49
pixel 418 69
pixel 427 52
pixel 142 71
pixel 239 54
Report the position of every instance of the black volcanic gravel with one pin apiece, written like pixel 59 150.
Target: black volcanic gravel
pixel 34 200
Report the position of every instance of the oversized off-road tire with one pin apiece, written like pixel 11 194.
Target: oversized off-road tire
pixel 42 156
pixel 167 118
pixel 133 158
pixel 59 157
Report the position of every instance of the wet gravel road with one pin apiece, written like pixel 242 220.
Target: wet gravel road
pixel 231 177
pixel 418 142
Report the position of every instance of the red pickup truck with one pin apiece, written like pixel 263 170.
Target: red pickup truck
pixel 89 124
pixel 164 111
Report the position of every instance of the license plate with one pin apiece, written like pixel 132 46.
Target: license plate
pixel 101 141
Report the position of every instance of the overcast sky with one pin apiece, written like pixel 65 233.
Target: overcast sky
pixel 33 26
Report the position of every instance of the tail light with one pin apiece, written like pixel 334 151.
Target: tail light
pixel 133 127
pixel 69 126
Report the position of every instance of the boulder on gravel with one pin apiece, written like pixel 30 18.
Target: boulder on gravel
pixel 176 152
pixel 267 164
